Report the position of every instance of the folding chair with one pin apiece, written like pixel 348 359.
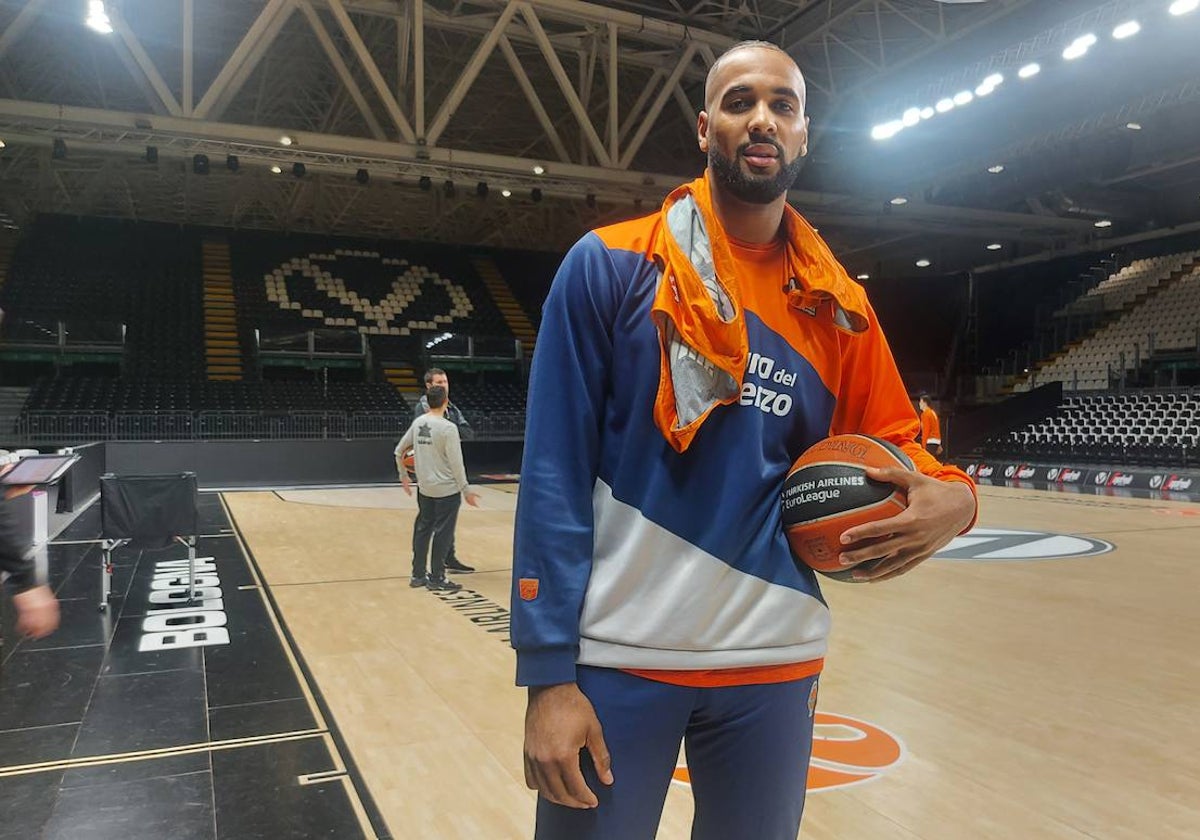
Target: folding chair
pixel 149 512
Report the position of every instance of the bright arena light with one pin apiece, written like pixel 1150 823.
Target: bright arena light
pixel 1127 30
pixel 1134 126
pixel 995 246
pixel 97 18
pixel 887 131
pixel 506 193
pixel 538 169
pixel 1104 223
pixel 997 169
pixel 277 169
pixel 944 105
pixel 1029 70
pixel 994 80
pixel 1079 47
pixel 1182 7
pixel 923 263
pixel 285 140
pixel 927 112
pixel 899 200
pixel 963 97
pixel 864 277
pixel 911 117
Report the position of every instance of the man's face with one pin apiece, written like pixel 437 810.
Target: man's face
pixel 439 379
pixel 753 128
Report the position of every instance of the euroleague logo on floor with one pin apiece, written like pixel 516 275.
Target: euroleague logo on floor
pixel 846 751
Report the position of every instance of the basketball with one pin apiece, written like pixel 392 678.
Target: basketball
pixel 827 492
pixel 409 463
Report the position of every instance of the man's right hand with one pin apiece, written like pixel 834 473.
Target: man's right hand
pixel 559 722
pixel 37 612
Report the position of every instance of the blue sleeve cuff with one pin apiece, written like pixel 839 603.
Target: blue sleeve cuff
pixel 546 666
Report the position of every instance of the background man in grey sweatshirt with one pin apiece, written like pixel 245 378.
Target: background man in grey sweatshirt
pixel 441 478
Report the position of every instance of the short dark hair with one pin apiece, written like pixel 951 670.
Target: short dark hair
pixel 432 372
pixel 436 396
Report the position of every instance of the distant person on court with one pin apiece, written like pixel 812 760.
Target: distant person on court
pixel 685 360
pixel 436 378
pixel 441 485
pixel 931 428
pixel 37 608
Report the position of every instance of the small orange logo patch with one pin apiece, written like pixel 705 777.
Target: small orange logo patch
pixel 528 588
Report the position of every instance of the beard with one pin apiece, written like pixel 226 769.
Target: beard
pixel 753 189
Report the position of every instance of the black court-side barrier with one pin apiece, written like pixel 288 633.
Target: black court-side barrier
pixel 149 512
pixel 1169 483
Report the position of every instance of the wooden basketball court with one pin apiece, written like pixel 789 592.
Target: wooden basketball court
pixel 1049 698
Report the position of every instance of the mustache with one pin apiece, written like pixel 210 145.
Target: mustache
pixel 761 141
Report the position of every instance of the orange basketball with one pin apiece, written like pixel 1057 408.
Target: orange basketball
pixel 827 492
pixel 409 462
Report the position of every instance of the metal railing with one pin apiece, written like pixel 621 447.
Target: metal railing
pixel 56 427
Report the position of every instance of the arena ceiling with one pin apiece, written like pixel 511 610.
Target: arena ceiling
pixel 593 105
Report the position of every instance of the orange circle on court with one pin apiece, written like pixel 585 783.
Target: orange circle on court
pixel 846 751
pixel 1174 512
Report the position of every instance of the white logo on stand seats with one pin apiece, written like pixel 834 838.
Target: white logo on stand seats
pixel 1156 482
pixel 1053 474
pixel 1009 472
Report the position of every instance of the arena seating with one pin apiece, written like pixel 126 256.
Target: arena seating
pixel 1166 321
pixel 145 276
pixel 1151 428
pixel 400 295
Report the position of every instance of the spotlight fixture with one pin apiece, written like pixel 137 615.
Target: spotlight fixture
pixel 911 117
pixel 97 19
pixel 927 112
pixel 285 140
pixel 298 169
pixel 944 105
pixel 58 149
pixel 276 169
pixel 1134 126
pixel 997 169
pixel 152 154
pixel 538 169
pixel 1029 70
pixel 1103 223
pixel 1079 47
pixel 232 163
pixel 481 189
pixel 995 246
pixel 899 201
pixel 963 97
pixel 536 194
pixel 864 277
pixel 1182 7
pixel 448 188
pixel 590 200
pixel 922 263
pixel 362 176
pixel 200 164
pixel 1126 30
pixel 425 183
pixel 1 144
pixel 506 193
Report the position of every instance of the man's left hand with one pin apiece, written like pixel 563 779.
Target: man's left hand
pixel 937 512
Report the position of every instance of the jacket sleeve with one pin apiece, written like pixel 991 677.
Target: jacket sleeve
pixel 12 549
pixel 872 400
pixel 568 387
pixel 454 458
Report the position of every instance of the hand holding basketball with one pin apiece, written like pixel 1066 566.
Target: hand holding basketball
pixel 937 512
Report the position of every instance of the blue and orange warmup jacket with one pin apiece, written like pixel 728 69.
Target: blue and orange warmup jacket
pixel 630 554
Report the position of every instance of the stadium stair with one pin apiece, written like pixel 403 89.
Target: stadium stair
pixel 1115 315
pixel 222 353
pixel 12 400
pixel 513 314
pixel 404 380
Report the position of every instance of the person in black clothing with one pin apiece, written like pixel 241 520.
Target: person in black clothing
pixel 37 608
pixel 436 378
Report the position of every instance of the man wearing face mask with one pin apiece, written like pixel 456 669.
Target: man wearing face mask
pixel 655 599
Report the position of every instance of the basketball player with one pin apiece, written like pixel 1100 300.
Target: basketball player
pixel 931 428
pixel 436 378
pixel 441 486
pixel 685 360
